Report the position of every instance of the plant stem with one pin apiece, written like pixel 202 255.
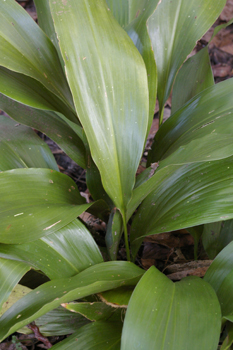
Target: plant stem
pixel 126 239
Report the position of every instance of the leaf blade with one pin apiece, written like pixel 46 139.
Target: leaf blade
pixel 193 77
pixel 174 29
pixel 106 335
pixel 11 272
pixel 42 202
pixel 21 147
pixel 158 315
pixel 72 248
pixel 51 124
pixel 38 60
pixel 199 131
pixel 184 196
pixel 102 111
pixel 50 295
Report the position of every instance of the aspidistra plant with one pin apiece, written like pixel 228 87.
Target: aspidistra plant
pixel 88 77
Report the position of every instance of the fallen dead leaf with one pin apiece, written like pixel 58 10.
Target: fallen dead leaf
pixel 227 12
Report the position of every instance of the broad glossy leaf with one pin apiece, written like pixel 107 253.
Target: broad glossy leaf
pixel 35 203
pixel 110 94
pixel 51 124
pixel 58 322
pixel 93 178
pixel 220 276
pixel 10 274
pixel 120 10
pixel 220 268
pixel 174 29
pixel 45 22
pixel 138 32
pixel 31 92
pixel 150 182
pixel 189 195
pixel 210 238
pixel 95 336
pixel 216 236
pixel 142 177
pixel 118 297
pixel 226 234
pixel 95 311
pixel 113 233
pixel 165 315
pixel 26 49
pixel 50 295
pixel 20 147
pixel 64 253
pixel 17 293
pixel 126 11
pixel 200 130
pixel 9 159
pixel 224 294
pixel 193 77
pixel 132 16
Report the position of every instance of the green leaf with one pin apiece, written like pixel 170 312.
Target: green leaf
pixel 27 50
pixel 137 30
pixel 10 274
pixel 219 275
pixel 113 233
pixel 193 77
pixel 31 92
pixel 17 293
pixel 50 295
pixel 64 253
pixel 216 236
pixel 55 322
pixel 165 315
pixel 220 268
pixel 93 178
pixel 118 297
pixel 132 16
pixel 35 203
pixel 94 336
pixel 21 147
pixel 120 10
pixel 111 93
pixel 210 238
pixel 200 130
pixel 184 196
pixel 95 311
pixel 126 11
pixel 147 184
pixel 174 29
pixel 58 322
pixel 54 126
pixel 45 21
